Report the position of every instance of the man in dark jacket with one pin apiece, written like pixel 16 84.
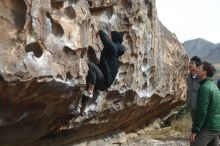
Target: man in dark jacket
pixel 102 75
pixel 192 86
pixel 206 127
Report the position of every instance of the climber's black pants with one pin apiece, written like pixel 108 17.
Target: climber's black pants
pixel 95 77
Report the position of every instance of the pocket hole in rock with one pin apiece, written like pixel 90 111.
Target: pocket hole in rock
pixel 35 48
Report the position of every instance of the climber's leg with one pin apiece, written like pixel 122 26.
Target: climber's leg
pixel 94 79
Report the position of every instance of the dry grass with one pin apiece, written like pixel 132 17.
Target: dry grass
pixel 217 65
pixel 183 125
pixel 179 130
pixel 217 74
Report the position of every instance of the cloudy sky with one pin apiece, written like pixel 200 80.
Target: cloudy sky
pixel 191 19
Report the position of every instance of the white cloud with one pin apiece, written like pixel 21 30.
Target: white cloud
pixel 190 19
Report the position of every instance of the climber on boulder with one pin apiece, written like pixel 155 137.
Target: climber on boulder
pixel 101 76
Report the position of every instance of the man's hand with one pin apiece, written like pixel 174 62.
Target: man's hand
pixel 192 137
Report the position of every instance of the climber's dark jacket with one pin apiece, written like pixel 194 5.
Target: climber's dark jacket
pixel 110 54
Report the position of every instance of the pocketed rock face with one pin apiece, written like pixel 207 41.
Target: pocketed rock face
pixel 44 49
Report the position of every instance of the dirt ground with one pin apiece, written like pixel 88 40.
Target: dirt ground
pixel 177 134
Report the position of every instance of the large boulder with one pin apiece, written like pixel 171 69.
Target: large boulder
pixel 44 49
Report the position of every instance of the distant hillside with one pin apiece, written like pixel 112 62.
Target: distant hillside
pixel 204 49
pixel 213 56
